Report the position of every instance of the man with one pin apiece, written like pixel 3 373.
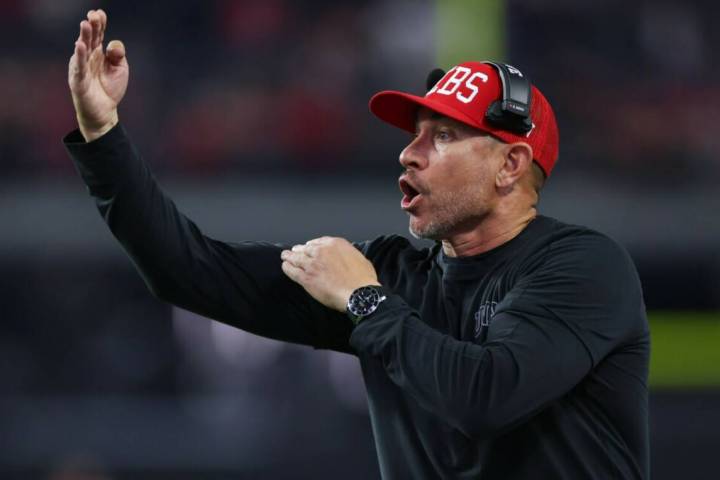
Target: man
pixel 517 348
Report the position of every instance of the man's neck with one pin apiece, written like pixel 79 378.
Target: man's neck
pixel 490 233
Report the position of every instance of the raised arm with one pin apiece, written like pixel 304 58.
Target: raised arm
pixel 240 284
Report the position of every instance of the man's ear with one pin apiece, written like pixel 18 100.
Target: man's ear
pixel 518 159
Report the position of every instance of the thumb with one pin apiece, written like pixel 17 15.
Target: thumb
pixel 115 52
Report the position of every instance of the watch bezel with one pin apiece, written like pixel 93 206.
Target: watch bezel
pixel 357 311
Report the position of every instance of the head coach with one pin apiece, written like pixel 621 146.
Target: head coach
pixel 515 348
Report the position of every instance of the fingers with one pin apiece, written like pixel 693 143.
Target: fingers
pixel 294 263
pixel 320 240
pixel 327 241
pixel 78 62
pixel 304 256
pixel 115 52
pixel 92 30
pixel 92 33
pixel 80 32
pixel 103 24
pixel 306 249
pixel 294 273
pixel 91 36
pixel 94 20
pixel 98 22
pixel 86 35
pixel 296 258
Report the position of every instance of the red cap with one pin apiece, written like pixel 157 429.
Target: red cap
pixel 464 93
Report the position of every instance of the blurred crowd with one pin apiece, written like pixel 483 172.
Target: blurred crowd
pixel 250 86
pixel 642 74
pixel 253 86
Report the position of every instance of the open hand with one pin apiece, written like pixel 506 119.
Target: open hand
pixel 98 79
pixel 329 269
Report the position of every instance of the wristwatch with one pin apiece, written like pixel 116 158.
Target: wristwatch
pixel 364 301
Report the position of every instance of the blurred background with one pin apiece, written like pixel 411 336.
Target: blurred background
pixel 253 114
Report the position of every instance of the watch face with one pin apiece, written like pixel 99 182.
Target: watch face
pixel 364 301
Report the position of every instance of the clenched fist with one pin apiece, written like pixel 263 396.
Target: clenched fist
pixel 329 269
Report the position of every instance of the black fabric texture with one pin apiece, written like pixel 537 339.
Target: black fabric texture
pixel 529 361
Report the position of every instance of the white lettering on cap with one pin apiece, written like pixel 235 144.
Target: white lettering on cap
pixel 472 87
pixel 514 70
pixel 439 82
pixel 454 81
pixel 456 77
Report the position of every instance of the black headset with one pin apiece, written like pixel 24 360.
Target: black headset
pixel 512 113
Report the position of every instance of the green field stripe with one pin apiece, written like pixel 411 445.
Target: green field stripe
pixel 469 30
pixel 685 349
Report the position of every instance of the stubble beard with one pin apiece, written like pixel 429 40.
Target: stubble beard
pixel 450 213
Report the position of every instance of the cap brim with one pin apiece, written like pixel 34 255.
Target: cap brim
pixel 400 109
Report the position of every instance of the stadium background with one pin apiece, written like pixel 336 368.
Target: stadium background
pixel 254 117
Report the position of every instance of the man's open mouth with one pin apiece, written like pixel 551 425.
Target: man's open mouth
pixel 410 194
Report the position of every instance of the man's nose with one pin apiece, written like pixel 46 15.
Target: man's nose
pixel 414 156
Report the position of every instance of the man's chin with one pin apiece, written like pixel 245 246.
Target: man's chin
pixel 426 231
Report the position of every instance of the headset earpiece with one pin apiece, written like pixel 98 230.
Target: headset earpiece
pixel 513 111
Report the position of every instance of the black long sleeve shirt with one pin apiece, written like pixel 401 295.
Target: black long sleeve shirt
pixel 529 361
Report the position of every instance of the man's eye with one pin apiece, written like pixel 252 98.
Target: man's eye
pixel 443 135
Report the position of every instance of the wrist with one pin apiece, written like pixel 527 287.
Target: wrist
pixel 364 301
pixel 92 131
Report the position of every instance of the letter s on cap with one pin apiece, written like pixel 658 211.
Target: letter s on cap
pixel 472 87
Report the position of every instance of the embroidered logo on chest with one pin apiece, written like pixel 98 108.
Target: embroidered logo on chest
pixel 483 316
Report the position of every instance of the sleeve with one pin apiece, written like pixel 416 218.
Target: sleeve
pixel 549 331
pixel 241 284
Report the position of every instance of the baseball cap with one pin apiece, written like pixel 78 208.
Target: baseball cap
pixel 464 94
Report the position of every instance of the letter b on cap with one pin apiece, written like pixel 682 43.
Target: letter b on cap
pixel 451 84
